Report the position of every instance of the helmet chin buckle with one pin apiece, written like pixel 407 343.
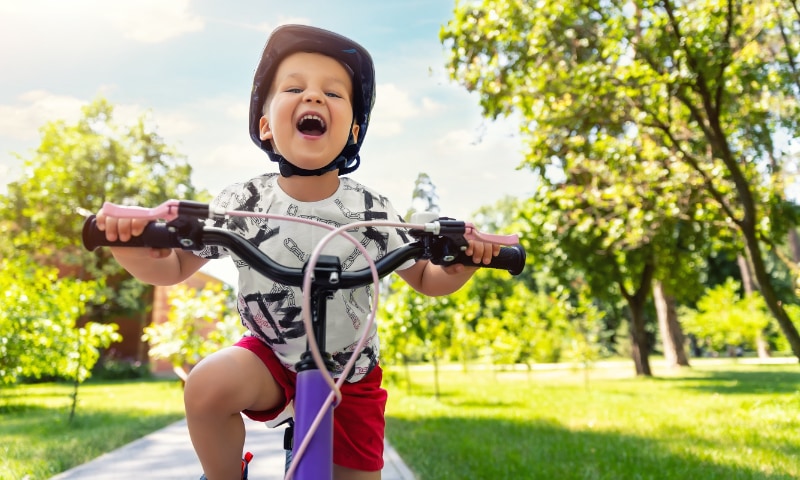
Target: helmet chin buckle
pixel 286 168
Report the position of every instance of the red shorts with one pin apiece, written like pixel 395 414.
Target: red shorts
pixel 358 421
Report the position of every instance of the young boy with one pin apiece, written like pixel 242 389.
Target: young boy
pixel 310 105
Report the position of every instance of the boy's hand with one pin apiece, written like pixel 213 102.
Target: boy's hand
pixel 481 252
pixel 123 229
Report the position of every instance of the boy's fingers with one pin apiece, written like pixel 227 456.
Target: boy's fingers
pixel 137 227
pixel 100 221
pixel 110 226
pixel 482 252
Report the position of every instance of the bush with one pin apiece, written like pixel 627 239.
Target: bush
pixel 112 368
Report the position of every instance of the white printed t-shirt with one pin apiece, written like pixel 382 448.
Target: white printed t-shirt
pixel 272 311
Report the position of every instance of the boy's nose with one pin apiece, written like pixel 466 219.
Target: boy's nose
pixel 313 96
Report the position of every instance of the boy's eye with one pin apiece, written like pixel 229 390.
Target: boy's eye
pixel 294 90
pixel 333 95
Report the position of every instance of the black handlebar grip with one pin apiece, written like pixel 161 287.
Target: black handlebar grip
pixel 510 258
pixel 156 235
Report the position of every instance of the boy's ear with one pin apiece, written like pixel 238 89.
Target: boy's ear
pixel 264 129
pixel 355 132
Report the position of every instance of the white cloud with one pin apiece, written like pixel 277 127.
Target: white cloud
pixel 22 120
pixel 154 21
pixel 146 21
pixel 172 125
pixel 395 107
pixel 431 106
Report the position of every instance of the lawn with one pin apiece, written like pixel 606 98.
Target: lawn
pixel 37 442
pixel 719 420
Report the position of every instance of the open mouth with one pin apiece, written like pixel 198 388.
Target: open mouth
pixel 311 125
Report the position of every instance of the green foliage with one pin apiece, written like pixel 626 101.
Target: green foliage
pixel 80 166
pixel 656 130
pixel 530 327
pixel 415 325
pixel 723 319
pixel 40 334
pixel 587 336
pixel 111 368
pixel 199 323
pixel 495 317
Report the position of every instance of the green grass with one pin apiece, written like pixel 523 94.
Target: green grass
pixel 719 420
pixel 37 442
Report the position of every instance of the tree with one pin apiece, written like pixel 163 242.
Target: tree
pixel 198 324
pixel 80 166
pixel 723 320
pixel 587 332
pixel 39 327
pixel 41 335
pixel 424 197
pixel 410 320
pixel 695 93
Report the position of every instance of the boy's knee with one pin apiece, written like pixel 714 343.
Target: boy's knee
pixel 208 386
pixel 230 381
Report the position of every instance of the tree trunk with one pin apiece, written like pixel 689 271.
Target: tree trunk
pixel 436 377
pixel 672 337
pixel 636 302
pixel 750 287
pixel 768 292
pixel 640 347
pixel 794 244
pixel 747 277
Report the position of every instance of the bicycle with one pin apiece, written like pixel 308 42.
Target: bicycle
pixel 182 224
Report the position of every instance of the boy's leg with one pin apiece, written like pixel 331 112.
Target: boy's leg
pixel 217 390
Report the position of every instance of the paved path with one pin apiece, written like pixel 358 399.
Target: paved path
pixel 168 455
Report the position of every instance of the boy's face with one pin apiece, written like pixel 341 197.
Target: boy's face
pixel 309 114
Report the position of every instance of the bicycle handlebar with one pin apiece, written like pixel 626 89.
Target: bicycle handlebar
pixel 441 242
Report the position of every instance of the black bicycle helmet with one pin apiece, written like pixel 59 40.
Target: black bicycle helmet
pixel 288 39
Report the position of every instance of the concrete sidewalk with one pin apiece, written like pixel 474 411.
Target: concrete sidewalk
pixel 168 455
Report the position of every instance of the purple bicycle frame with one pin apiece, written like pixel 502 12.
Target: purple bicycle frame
pixel 317 461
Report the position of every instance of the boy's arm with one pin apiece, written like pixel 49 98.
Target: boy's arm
pixel 156 266
pixel 435 280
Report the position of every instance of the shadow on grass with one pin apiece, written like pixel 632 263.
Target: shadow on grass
pixel 448 448
pixel 742 382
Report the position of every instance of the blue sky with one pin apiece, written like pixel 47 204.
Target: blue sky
pixel 189 63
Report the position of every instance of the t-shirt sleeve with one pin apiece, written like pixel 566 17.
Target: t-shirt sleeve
pixel 231 198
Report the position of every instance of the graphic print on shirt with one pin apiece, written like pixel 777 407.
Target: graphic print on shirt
pixel 274 317
pixel 353 307
pixel 370 353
